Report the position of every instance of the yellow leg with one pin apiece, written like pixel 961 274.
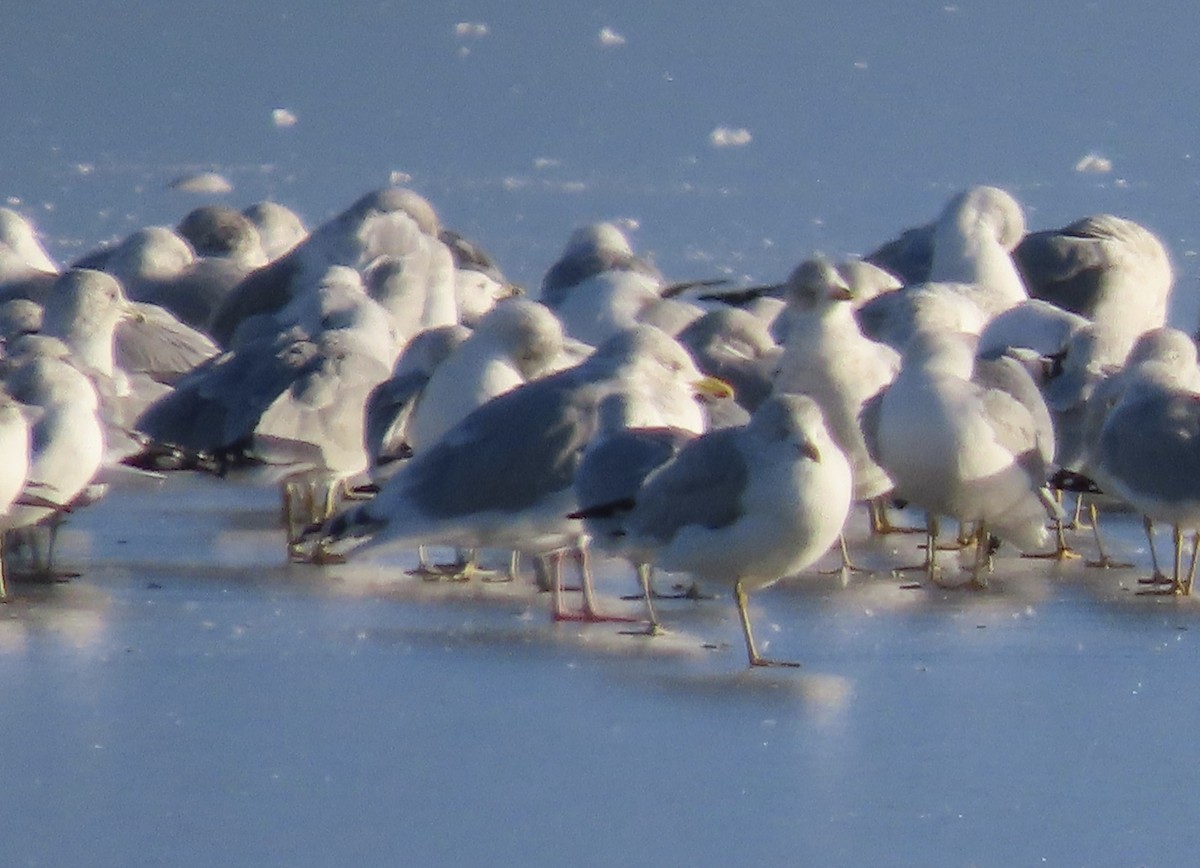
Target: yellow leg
pixel 739 595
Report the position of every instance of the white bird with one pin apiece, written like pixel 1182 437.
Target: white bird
pixel 14 466
pixel 1148 454
pixel 827 357
pixel 66 438
pixel 972 243
pixel 746 506
pixel 25 266
pixel 517 342
pixel 503 476
pixel 1105 268
pixel 956 448
pixel 391 404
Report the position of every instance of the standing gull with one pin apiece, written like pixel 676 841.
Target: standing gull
pixel 503 476
pixel 746 506
pixel 827 357
pixel 1149 455
pixel 14 465
pixel 956 448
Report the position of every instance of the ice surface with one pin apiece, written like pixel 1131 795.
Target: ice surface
pixel 192 700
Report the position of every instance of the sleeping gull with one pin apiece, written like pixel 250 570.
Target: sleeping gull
pixel 977 231
pixel 279 227
pixel 746 506
pixel 392 403
pixel 224 232
pixel 970 278
pixel 25 267
pixel 592 250
pixel 517 342
pixel 1104 268
pixel 599 286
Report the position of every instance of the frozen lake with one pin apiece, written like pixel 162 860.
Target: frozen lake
pixel 193 700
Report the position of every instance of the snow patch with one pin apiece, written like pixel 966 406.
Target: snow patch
pixel 1093 164
pixel 609 38
pixel 730 137
pixel 282 117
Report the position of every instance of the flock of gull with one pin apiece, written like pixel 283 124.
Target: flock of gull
pixel 406 394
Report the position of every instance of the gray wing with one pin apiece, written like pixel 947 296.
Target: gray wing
pixel 702 486
pixel 1163 461
pixel 160 346
pixel 1062 268
pixel 909 257
pixel 614 469
pixel 1009 376
pixel 389 408
pixel 220 402
pixel 264 290
pixel 506 455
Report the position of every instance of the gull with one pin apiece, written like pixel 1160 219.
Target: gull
pixel 592 250
pixel 155 265
pixel 864 280
pixel 745 506
pixel 66 436
pixel 970 277
pixel 734 346
pixel 1163 349
pixel 391 404
pixel 827 357
pixel 626 448
pixel 1148 454
pixel 599 286
pixel 503 476
pixel 960 449
pixel 977 232
pixel 392 221
pixel 279 227
pixel 14 465
pixel 25 266
pixel 1105 268
pixel 84 309
pixel 479 284
pixel 517 342
pixel 224 232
